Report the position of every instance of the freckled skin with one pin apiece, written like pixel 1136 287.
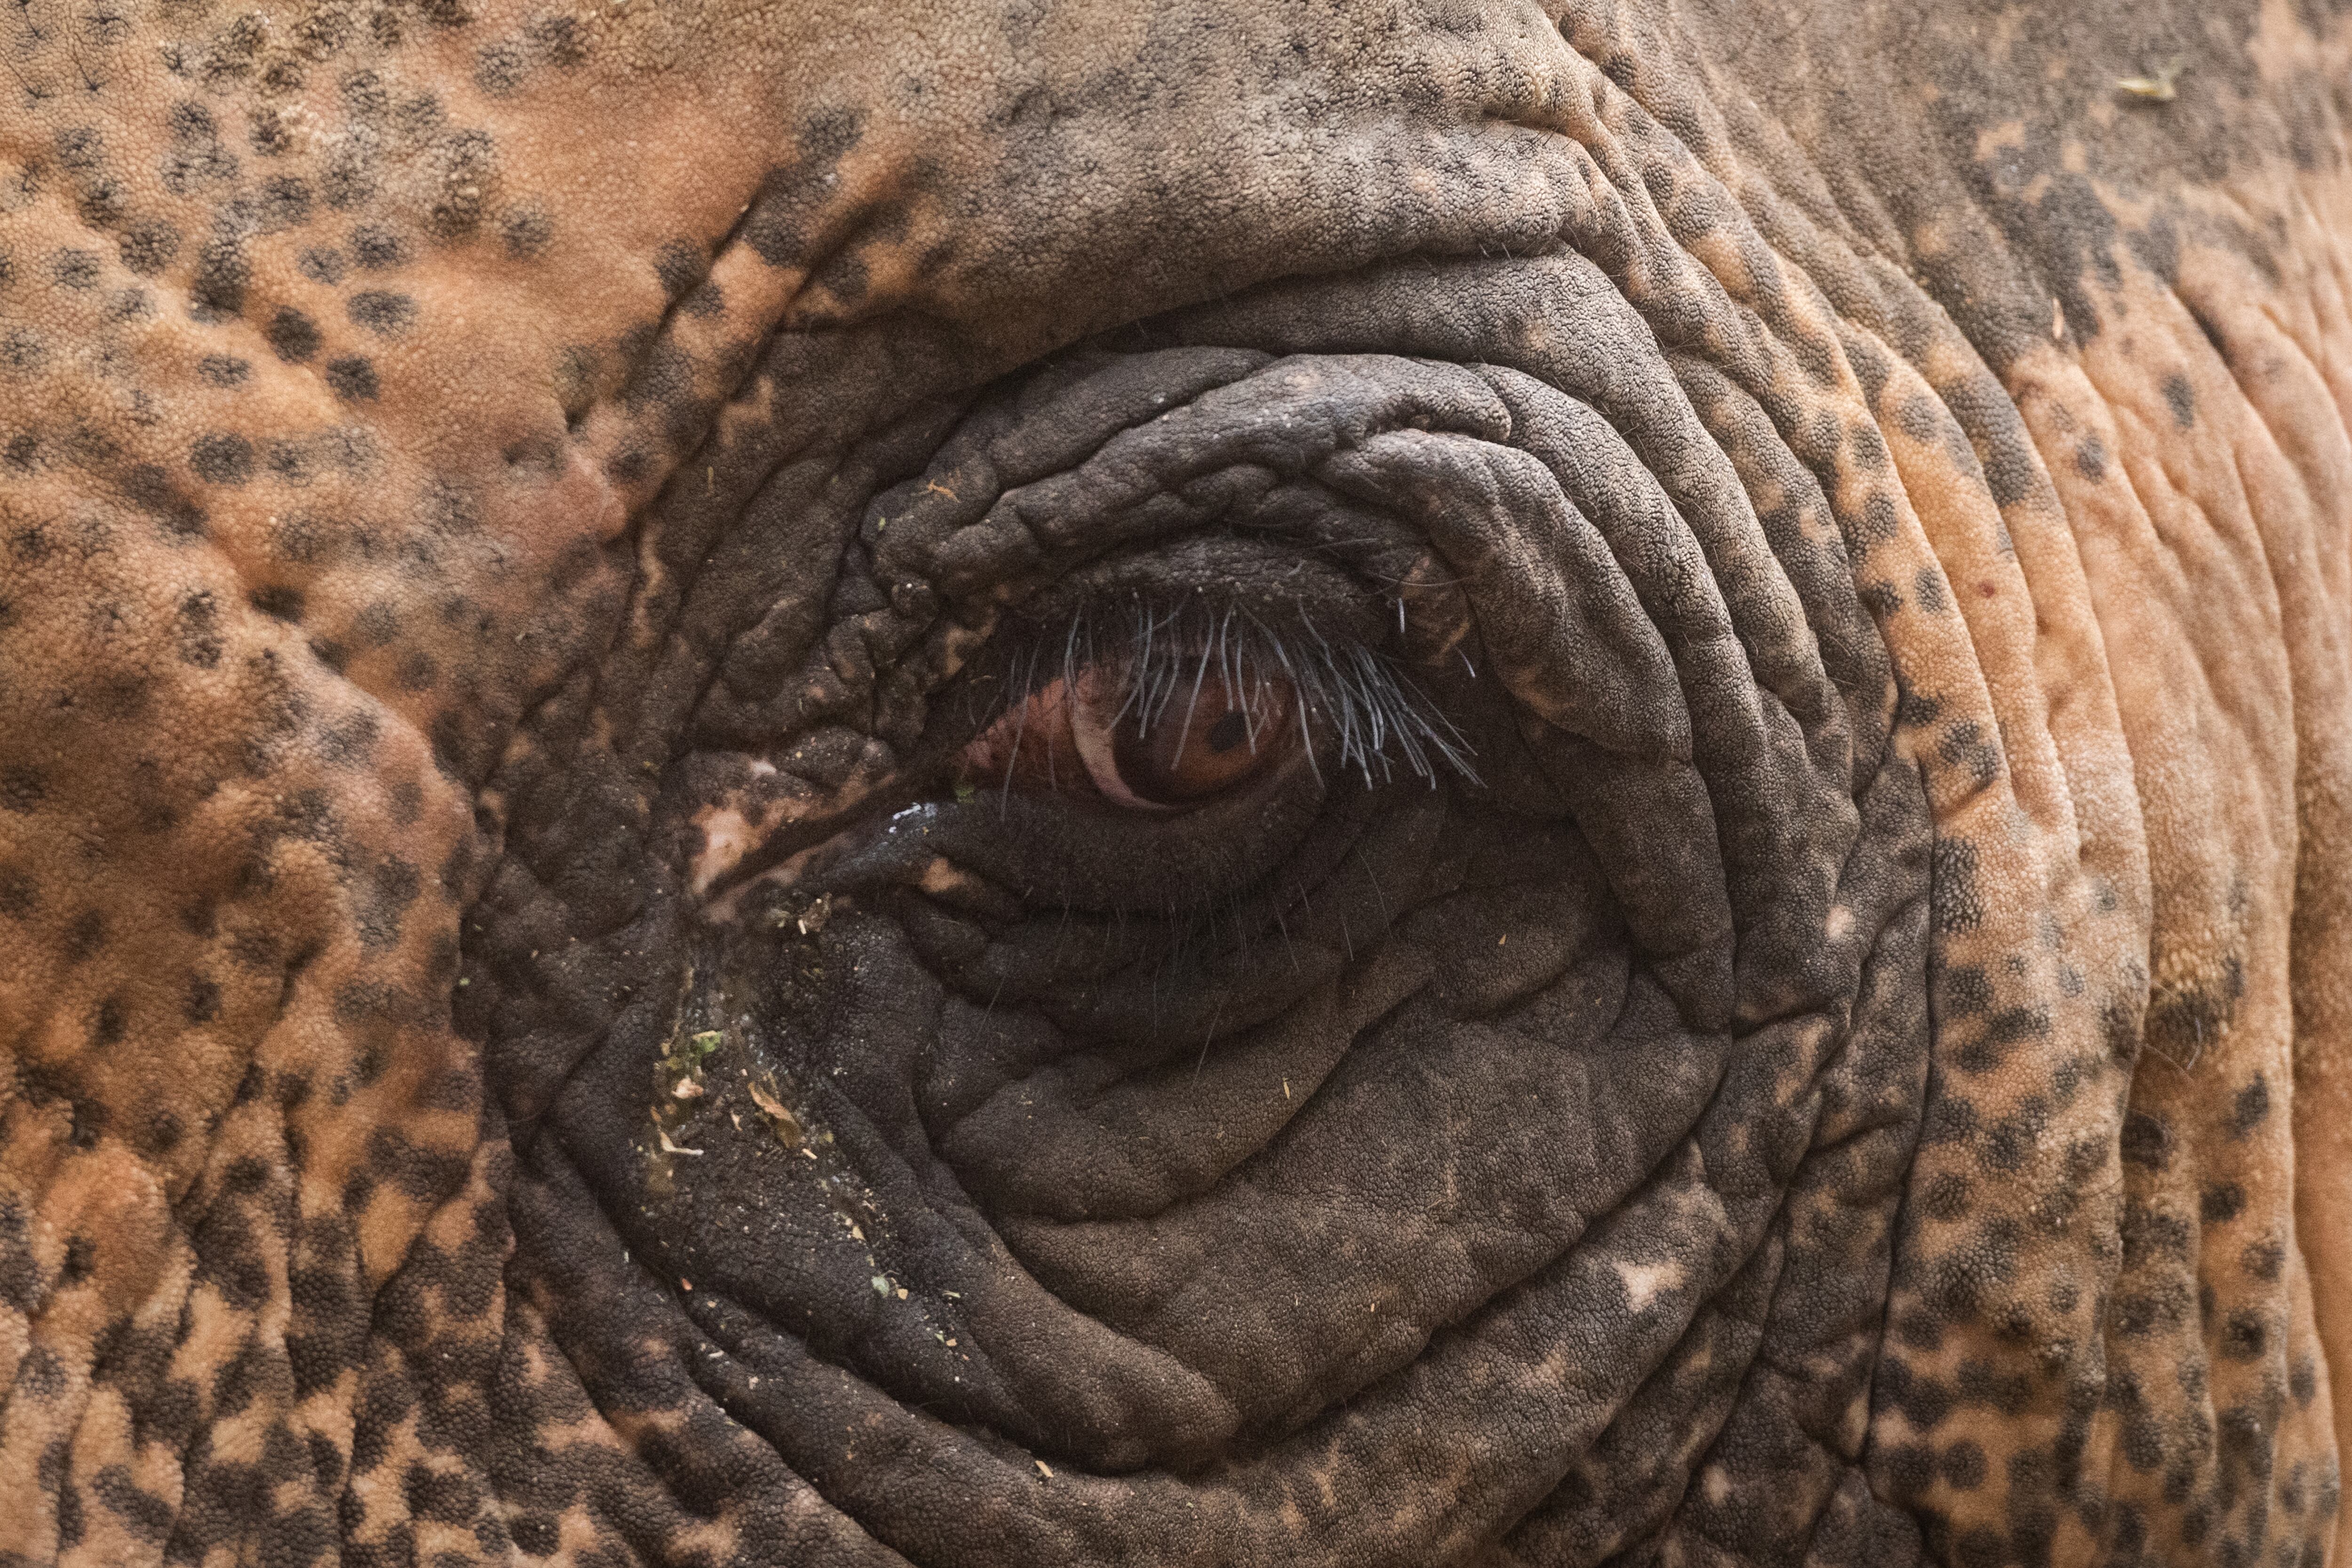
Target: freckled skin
pixel 520 1049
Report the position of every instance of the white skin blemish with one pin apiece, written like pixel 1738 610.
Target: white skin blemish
pixel 1840 923
pixel 940 877
pixel 1644 1281
pixel 730 832
pixel 728 835
pixel 912 821
pixel 785 874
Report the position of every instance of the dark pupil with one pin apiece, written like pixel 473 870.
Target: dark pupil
pixel 1228 731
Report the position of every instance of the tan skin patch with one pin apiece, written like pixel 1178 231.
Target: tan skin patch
pixel 2250 676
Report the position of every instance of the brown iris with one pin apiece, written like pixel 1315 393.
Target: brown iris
pixel 1186 744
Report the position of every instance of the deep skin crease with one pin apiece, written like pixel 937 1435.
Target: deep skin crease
pixel 522 1046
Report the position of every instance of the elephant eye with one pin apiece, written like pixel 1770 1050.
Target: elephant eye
pixel 1149 735
pixel 1158 714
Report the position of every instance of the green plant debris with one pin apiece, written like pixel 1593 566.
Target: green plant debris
pixel 688 1056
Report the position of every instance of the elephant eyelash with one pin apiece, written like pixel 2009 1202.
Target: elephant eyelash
pixel 1378 721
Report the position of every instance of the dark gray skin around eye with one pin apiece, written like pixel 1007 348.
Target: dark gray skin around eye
pixel 1780 998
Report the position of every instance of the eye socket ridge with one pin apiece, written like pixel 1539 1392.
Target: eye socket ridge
pixel 1162 710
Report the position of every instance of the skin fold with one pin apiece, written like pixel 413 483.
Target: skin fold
pixel 1812 1029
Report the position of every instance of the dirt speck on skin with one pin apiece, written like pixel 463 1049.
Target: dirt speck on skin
pixel 787 1126
pixel 2161 87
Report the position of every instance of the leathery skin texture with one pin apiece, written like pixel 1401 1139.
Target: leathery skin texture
pixel 1783 998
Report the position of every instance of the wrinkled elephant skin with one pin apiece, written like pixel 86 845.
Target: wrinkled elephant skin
pixel 1175 782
